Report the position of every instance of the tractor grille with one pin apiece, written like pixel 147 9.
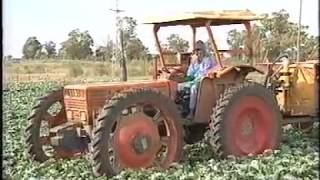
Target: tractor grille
pixel 76 109
pixel 76 104
pixel 74 93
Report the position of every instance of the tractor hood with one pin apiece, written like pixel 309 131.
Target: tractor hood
pixel 84 101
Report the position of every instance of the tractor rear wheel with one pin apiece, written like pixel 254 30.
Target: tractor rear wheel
pixel 126 137
pixel 246 120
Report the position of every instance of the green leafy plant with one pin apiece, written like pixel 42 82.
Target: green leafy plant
pixel 298 157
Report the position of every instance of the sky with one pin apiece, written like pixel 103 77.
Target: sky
pixel 54 19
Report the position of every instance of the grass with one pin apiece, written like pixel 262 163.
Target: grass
pixel 71 70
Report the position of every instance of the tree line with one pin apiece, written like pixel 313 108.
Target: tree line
pixel 274 35
pixel 79 45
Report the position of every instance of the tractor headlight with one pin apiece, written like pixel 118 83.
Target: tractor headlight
pixel 69 115
pixel 74 93
pixel 83 116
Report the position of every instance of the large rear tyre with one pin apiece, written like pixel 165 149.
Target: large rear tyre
pixel 246 120
pixel 126 137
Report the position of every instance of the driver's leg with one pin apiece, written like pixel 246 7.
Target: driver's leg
pixel 193 100
pixel 181 86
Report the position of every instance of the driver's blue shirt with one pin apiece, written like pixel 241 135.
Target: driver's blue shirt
pixel 198 70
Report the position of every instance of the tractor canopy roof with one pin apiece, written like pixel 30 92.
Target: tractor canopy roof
pixel 198 19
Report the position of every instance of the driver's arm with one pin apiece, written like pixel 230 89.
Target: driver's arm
pixel 190 73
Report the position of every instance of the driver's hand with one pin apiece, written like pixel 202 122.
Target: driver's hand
pixel 194 58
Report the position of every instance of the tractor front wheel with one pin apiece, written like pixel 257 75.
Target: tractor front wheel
pixel 246 120
pixel 125 136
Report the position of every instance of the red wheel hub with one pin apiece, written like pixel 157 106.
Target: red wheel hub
pixel 252 126
pixel 136 141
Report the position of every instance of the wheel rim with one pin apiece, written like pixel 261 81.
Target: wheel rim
pixel 143 141
pixel 136 141
pixel 252 126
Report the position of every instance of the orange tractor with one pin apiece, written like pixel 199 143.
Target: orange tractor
pixel 141 124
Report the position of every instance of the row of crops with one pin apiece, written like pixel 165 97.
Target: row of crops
pixel 298 157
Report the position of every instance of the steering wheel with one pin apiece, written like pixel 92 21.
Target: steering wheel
pixel 165 69
pixel 270 72
pixel 174 70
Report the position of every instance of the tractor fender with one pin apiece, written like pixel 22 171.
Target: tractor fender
pixel 238 70
pixel 214 84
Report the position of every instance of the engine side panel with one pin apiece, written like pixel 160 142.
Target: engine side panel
pixel 84 102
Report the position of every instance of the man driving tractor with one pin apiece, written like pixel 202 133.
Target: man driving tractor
pixel 200 63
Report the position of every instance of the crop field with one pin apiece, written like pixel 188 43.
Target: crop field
pixel 298 157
